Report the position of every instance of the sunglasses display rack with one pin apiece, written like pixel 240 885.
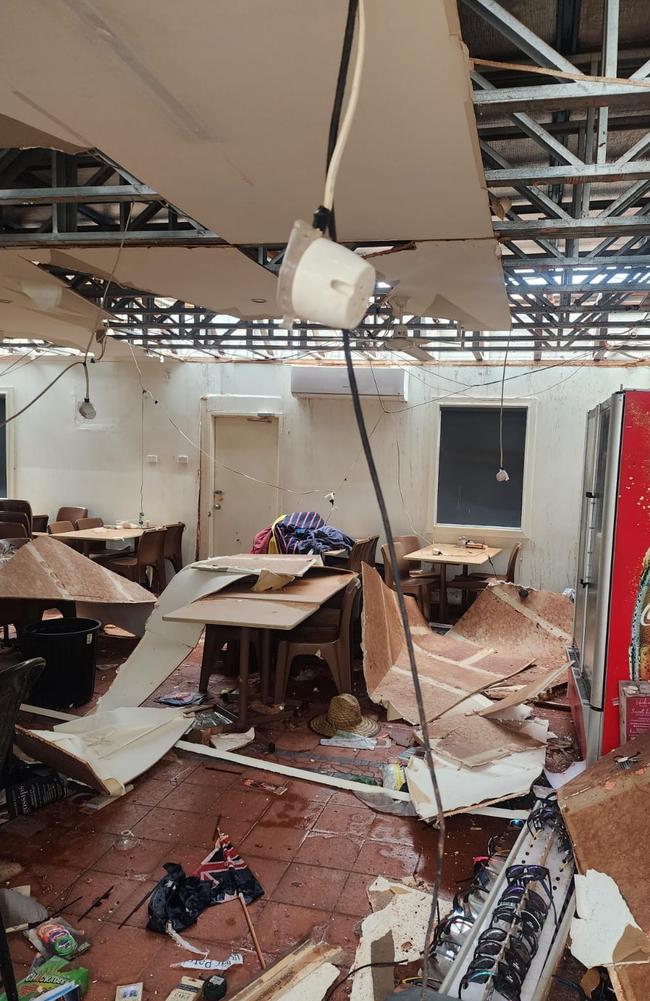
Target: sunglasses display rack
pixel 506 934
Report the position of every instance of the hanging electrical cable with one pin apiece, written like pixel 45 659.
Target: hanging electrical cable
pixel 502 474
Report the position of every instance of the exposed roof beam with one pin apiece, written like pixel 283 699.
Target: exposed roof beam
pixel 560 96
pixel 579 228
pixel 513 29
pixel 540 174
pixel 536 262
pixel 132 238
pixel 80 193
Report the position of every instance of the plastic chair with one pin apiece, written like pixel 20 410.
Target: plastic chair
pixel 419 584
pixel 16 518
pixel 363 551
pixel 326 634
pixel 16 681
pixel 173 550
pixel 12 530
pixel 56 527
pixel 39 522
pixel 71 513
pixel 22 507
pixel 150 553
pixel 474 583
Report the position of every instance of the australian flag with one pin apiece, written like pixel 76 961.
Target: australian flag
pixel 227 874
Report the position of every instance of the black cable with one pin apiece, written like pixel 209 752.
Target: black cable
pixel 367 966
pixel 324 218
pixel 381 503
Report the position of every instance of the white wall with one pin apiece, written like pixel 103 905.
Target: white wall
pixel 59 461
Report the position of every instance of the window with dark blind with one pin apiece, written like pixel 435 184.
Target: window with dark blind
pixel 4 472
pixel 468 491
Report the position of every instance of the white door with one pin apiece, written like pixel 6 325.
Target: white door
pixel 240 507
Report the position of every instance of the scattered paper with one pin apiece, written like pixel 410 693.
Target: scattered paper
pixel 604 932
pixel 232 741
pixel 360 743
pixel 235 959
pixel 183 943
pixel 558 779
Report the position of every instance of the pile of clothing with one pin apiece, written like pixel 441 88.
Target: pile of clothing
pixel 301 532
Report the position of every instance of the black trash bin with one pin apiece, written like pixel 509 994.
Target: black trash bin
pixel 69 648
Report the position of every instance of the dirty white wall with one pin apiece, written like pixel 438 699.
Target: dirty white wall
pixel 61 460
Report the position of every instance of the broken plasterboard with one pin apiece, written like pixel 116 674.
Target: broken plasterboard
pixel 604 931
pixel 393 934
pixel 605 810
pixel 106 750
pixel 473 740
pixel 304 974
pixel 538 625
pixel 165 645
pixel 463 789
pixel 51 570
pixel 450 668
pixel 258 563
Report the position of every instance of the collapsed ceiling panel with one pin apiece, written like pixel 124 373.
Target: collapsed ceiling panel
pixel 433 281
pixel 220 278
pixel 36 306
pixel 243 152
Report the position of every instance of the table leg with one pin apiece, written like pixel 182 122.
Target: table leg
pixel 266 665
pixel 443 593
pixel 6 966
pixel 244 660
pixel 210 653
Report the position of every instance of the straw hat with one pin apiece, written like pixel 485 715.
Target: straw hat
pixel 344 714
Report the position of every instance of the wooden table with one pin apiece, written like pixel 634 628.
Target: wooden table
pixel 446 554
pixel 103 534
pixel 252 613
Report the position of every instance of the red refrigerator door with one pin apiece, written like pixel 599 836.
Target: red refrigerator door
pixel 628 638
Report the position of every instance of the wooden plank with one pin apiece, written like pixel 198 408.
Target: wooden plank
pixel 442 552
pixel 289 971
pixel 246 612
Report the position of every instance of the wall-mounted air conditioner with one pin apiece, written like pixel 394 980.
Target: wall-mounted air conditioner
pixel 388 383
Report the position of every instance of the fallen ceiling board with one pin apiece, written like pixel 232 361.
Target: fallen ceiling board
pixel 38 305
pixel 450 669
pixel 463 789
pixel 295 975
pixel 546 680
pixel 473 740
pixel 247 160
pixel 49 569
pixel 296 566
pixel 108 749
pixel 604 931
pixel 17 135
pixel 457 281
pixel 165 645
pixel 605 810
pixel 539 625
pixel 222 279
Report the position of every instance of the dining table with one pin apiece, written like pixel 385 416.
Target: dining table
pixel 258 614
pixel 446 554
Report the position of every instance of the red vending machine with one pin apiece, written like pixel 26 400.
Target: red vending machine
pixel 611 632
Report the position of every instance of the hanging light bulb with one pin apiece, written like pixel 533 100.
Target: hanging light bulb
pixel 86 409
pixel 502 476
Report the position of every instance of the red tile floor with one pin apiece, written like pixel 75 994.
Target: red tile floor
pixel 315 850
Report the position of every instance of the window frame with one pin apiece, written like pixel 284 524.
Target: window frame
pixel 446 531
pixel 8 393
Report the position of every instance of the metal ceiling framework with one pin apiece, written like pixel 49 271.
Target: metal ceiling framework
pixel 573 225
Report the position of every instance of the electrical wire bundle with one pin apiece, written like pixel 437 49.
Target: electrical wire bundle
pixel 506 948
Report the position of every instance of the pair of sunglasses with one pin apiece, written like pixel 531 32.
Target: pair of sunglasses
pixel 503 982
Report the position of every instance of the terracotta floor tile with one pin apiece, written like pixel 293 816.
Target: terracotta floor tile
pixel 291 810
pixel 343 798
pixel 239 805
pixel 94 883
pixel 212 776
pixel 283 925
pixel 354 898
pixel 332 850
pixel 384 859
pixel 142 860
pixel 191 798
pixel 81 850
pixel 310 790
pixel 149 791
pixel 226 923
pixel 402 830
pixel 49 883
pixel 273 842
pixel 115 818
pixel 342 930
pixel 268 872
pixel 354 820
pixel 120 955
pixel 174 825
pixel 297 740
pixel 306 886
pixel 174 767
